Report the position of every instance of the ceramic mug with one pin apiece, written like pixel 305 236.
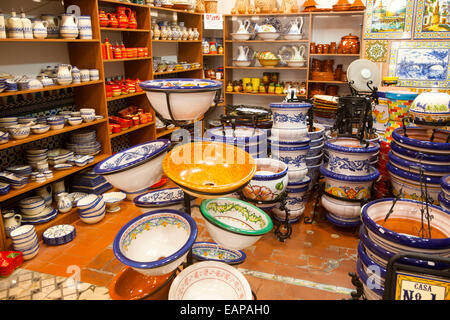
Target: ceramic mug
pixel 94 74
pixel 85 75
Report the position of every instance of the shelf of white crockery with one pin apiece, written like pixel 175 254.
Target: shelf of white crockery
pixel 33 137
pixel 57 175
pixel 48 40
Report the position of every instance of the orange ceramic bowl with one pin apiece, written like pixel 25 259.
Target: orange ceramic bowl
pixel 209 169
pixel 129 284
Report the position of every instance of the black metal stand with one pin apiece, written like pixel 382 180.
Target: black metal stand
pixel 359 293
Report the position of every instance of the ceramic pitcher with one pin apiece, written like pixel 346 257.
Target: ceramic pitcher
pixel 11 221
pixel 26 25
pixel 84 27
pixel 69 26
pixel 298 53
pixel 52 25
pixel 46 194
pixel 64 203
pixel 40 30
pixel 296 26
pixel 243 26
pixel 2 27
pixel 14 27
pixel 243 53
pixel 64 74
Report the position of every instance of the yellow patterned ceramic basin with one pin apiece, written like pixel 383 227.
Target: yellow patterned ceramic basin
pixel 209 169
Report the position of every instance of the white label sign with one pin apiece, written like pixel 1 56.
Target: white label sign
pixel 213 21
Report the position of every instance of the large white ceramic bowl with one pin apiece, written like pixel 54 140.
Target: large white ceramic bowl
pixel 290 115
pixel 198 94
pixel 431 107
pixel 233 223
pixel 241 36
pixel 210 280
pixel 135 168
pixel 156 243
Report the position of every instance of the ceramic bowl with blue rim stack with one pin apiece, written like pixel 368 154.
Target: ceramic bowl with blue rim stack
pixel 211 251
pixel 58 235
pixel 349 179
pixel 25 240
pixel 135 168
pixel 171 198
pixel 47 214
pixel 91 209
pixel 20 170
pixel 4 188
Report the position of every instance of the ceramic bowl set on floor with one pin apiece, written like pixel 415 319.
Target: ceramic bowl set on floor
pixel 349 177
pixel 290 145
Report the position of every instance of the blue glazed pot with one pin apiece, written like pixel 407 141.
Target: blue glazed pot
pixel 419 139
pixel 290 115
pixel 414 166
pixel 410 154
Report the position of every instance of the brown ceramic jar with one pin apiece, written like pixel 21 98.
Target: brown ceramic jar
pixel 349 44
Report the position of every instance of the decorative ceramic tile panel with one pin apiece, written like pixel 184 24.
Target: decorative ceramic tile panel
pixel 432 19
pixel 376 50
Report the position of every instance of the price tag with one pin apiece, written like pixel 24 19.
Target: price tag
pixel 421 287
pixel 213 21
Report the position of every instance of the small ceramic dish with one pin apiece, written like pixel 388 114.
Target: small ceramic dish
pixel 4 188
pixel 160 198
pixel 75 121
pixel 113 200
pixel 19 132
pixel 88 118
pixel 213 252
pixel 40 128
pixel 40 178
pixel 62 166
pixel 59 234
pixel 56 126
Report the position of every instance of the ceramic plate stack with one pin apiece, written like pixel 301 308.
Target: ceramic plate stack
pixel 15 181
pixel 83 142
pixel 414 150
pixel 253 141
pixel 20 170
pixel 59 156
pixel 25 240
pixel 36 157
pixel 348 179
pixel 8 122
pixel 59 234
pixel 34 211
pixel 2 84
pixel 325 109
pixel 89 182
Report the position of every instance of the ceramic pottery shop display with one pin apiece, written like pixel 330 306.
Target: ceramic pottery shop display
pixel 349 177
pixel 400 233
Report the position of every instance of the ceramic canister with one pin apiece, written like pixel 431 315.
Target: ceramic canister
pixel 290 115
pixel 84 74
pixel 94 74
pixel 76 75
pixel 14 28
pixel 84 27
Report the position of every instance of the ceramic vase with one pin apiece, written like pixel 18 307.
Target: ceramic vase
pixel 14 28
pixel 46 194
pixel 191 34
pixel 53 23
pixel 196 34
pixel 76 75
pixel 69 26
pixel 27 27
pixel 64 203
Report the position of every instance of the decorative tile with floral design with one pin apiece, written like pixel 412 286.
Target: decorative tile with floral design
pixel 376 50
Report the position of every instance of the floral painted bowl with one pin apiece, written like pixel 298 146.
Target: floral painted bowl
pixel 233 223
pixel 199 94
pixel 419 139
pixel 135 168
pixel 431 107
pixel 269 181
pixel 210 280
pixel 290 115
pixel 209 169
pixel 156 243
pixel 401 230
pixel 213 252
pixel 347 156
pixel 171 198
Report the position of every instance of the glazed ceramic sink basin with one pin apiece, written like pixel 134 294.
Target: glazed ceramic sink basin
pixel 419 139
pixel 213 252
pixel 210 280
pixel 209 169
pixel 171 198
pixel 156 243
pixel 135 168
pixel 233 223
pixel 198 94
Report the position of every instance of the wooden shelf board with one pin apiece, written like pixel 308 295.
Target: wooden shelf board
pixel 335 54
pixel 175 10
pixel 327 81
pixel 175 71
pixel 267 68
pixel 177 41
pixel 212 55
pixel 127 59
pixel 337 13
pixel 124 96
pixel 267 41
pixel 50 133
pixel 51 40
pixel 262 94
pixel 134 128
pixel 123 29
pixel 49 88
pixel 298 14
pixel 163 132
pixel 57 175
pixel 124 3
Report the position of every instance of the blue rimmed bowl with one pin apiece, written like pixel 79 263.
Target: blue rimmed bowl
pixel 214 252
pixel 347 156
pixel 40 128
pixel 241 137
pixel 135 168
pixel 413 166
pixel 341 213
pixel 419 139
pixel 372 291
pixel 445 184
pixel 4 188
pixel 424 157
pixel 171 198
pixel 443 201
pixel 198 94
pixel 402 234
pixel 59 234
pixel 317 133
pixel 113 200
pixel 156 243
pixel 294 157
pixel 314 160
pixel 134 194
pixel 269 181
pixel 303 142
pixel 374 270
pixel 19 132
pixel 290 115
pixel 315 150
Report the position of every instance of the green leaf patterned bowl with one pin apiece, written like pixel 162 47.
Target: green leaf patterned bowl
pixel 233 223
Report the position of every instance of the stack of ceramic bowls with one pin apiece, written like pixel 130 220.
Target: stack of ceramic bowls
pixel 83 142
pixel 315 155
pixel 47 214
pixel 413 150
pixel 87 114
pixel 400 233
pixel 444 196
pixel 252 140
pixel 89 182
pixel 2 84
pixel 56 123
pixel 399 103
pixel 8 122
pixel 295 201
pixel 348 179
pixel 35 211
pixel 91 208
pixel 37 157
pixel 15 181
pixel 25 240
pixel 171 198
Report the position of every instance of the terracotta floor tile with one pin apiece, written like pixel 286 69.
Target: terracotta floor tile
pixel 270 290
pixel 294 292
pixel 95 277
pixel 56 269
pixel 101 260
pixel 113 266
pixel 70 259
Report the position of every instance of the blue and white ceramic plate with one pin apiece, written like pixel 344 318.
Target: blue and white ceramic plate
pixel 160 198
pixel 132 157
pixel 213 252
pixel 43 220
pixel 59 234
pixel 180 84
pixel 62 166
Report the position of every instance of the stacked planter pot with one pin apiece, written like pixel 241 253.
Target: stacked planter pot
pixel 348 179
pixel 381 240
pixel 315 155
pixel 290 144
pixel 413 150
pixel 444 196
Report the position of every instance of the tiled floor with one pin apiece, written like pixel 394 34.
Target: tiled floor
pixel 313 264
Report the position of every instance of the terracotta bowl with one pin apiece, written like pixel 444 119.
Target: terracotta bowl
pixel 317 75
pixel 269 62
pixel 129 284
pixel 209 169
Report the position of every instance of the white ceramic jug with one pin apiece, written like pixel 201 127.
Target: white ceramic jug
pixel 296 26
pixel 298 53
pixel 84 27
pixel 69 26
pixel 243 53
pixel 2 27
pixel 243 26
pixel 14 27
pixel 64 74
pixel 11 221
pixel 40 29
pixel 26 25
pixel 52 25
pixel 64 203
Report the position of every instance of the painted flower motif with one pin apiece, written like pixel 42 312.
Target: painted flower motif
pixel 376 50
pixel 258 193
pixel 351 194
